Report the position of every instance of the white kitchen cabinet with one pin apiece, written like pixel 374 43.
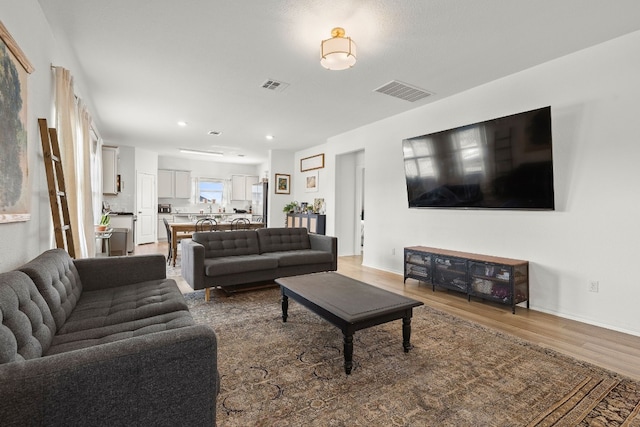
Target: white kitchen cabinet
pixel 182 184
pixel 165 183
pixel 174 184
pixel 241 186
pixel 109 170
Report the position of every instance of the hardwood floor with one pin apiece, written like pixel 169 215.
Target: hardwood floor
pixel 609 349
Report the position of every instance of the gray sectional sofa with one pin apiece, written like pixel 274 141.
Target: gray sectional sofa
pixel 102 341
pixel 236 259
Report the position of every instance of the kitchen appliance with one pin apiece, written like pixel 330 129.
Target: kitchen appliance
pixel 259 198
pixel 164 208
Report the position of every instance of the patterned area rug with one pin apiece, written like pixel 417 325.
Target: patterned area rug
pixel 457 374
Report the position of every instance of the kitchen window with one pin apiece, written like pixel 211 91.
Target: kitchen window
pixel 210 190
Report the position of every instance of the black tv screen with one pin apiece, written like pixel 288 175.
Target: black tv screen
pixel 504 163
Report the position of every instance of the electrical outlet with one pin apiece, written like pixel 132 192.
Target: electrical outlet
pixel 594 286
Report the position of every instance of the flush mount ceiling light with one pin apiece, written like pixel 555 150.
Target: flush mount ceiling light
pixel 182 123
pixel 206 153
pixel 338 52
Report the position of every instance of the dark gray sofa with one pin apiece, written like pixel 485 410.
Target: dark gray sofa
pixel 102 341
pixel 235 259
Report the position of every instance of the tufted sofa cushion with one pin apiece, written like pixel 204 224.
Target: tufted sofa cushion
pixel 219 244
pixel 122 304
pixel 120 331
pixel 283 239
pixel 58 282
pixel 27 327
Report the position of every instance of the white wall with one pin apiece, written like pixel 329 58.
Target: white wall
pixel 21 241
pixel 592 234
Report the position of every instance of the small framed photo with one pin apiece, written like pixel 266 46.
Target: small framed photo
pixel 283 183
pixel 311 163
pixel 311 182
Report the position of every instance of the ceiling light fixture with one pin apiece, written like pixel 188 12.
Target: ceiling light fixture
pixel 182 123
pixel 338 52
pixel 269 137
pixel 207 153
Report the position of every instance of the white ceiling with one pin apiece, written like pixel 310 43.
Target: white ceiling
pixel 146 64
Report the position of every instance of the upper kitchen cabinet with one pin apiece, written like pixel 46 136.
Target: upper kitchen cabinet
pixel 109 170
pixel 174 184
pixel 241 186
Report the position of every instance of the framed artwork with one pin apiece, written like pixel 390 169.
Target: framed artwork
pixel 311 163
pixel 14 173
pixel 311 182
pixel 283 183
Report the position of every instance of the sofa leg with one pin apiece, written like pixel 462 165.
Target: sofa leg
pixel 207 294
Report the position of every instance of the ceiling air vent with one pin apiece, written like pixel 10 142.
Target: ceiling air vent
pixel 403 91
pixel 275 85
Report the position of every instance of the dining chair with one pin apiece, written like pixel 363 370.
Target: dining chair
pixel 240 224
pixel 206 224
pixel 166 225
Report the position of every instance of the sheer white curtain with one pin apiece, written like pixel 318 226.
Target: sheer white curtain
pixel 73 124
pixel 96 175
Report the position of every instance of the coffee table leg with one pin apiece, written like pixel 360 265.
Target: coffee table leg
pixel 285 307
pixel 406 333
pixel 348 353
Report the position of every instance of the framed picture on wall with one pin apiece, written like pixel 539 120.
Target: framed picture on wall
pixel 14 175
pixel 311 182
pixel 283 183
pixel 311 163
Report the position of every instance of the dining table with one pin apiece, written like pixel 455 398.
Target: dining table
pixel 185 230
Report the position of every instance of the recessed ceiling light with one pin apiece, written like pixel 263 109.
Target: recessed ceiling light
pixel 182 123
pixel 206 153
pixel 269 137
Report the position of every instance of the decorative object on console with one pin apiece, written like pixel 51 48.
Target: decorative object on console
pixel 338 52
pixel 290 207
pixel 283 183
pixel 319 206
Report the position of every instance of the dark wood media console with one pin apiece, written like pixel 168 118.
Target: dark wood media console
pixel 503 280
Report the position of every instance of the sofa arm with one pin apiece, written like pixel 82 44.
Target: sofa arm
pixel 164 378
pixel 101 273
pixel 320 242
pixel 192 263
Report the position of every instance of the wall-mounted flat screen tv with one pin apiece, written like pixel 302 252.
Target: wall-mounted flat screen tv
pixel 504 163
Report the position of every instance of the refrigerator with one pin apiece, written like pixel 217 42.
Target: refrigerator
pixel 259 205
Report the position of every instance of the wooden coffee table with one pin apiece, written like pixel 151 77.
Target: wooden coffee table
pixel 349 304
